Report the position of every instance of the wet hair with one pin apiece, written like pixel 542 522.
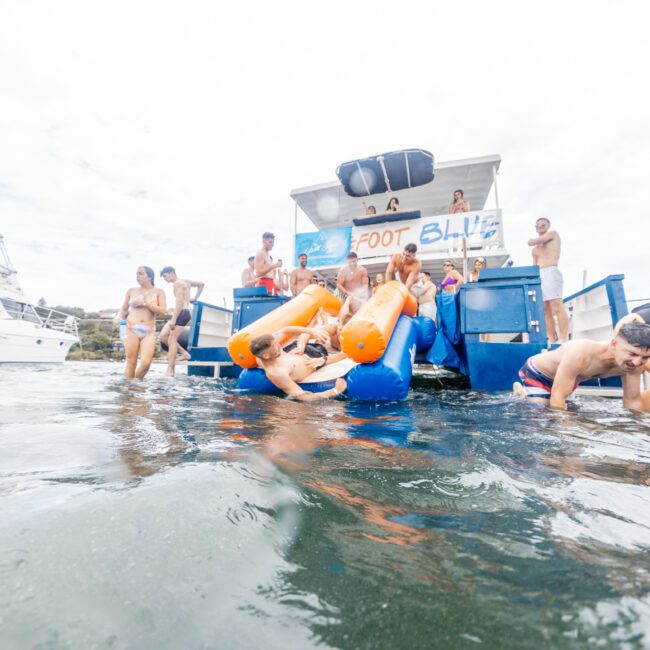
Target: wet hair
pixel 394 198
pixel 352 255
pixel 260 344
pixel 410 248
pixel 251 258
pixel 643 311
pixel 636 334
pixel 268 235
pixel 167 269
pixel 150 274
pixel 461 193
pixel 548 221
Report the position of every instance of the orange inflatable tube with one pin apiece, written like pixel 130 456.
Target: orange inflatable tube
pixel 368 332
pixel 298 311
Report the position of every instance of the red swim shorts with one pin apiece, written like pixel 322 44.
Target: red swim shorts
pixel 269 284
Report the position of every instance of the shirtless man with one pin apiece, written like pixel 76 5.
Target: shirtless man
pixel 427 298
pixel 265 266
pixel 550 377
pixel 284 370
pixel 181 316
pixel 352 281
pixel 406 265
pixel 640 314
pixel 301 277
pixel 546 255
pixel 459 204
pixel 248 278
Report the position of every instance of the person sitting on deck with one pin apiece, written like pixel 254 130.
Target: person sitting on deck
pixel 550 377
pixel 453 279
pixel 459 204
pixel 406 265
pixel 284 370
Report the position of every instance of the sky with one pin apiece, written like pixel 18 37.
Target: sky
pixel 164 132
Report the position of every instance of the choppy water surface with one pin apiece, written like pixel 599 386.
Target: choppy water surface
pixel 183 514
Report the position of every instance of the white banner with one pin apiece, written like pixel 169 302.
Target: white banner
pixel 429 234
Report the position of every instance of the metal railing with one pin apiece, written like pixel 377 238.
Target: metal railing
pixel 58 320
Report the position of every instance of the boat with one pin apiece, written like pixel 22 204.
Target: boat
pixel 30 333
pixel 485 331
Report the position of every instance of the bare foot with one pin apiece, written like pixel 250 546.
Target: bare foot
pixel 169 373
pixel 518 390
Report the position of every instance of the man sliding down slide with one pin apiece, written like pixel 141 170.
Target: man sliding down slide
pixel 284 370
pixel 550 377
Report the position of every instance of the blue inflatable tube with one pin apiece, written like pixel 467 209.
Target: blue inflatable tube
pixel 425 330
pixel 255 381
pixel 388 378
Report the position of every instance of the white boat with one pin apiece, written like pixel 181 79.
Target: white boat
pixel 29 333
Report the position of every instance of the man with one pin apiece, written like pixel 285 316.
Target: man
pixel 406 265
pixel 181 316
pixel 546 255
pixel 265 266
pixel 550 377
pixel 248 274
pixel 640 314
pixel 301 277
pixel 458 204
pixel 284 370
pixel 427 297
pixel 352 281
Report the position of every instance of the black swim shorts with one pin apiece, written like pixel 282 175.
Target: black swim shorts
pixel 184 318
pixel 313 350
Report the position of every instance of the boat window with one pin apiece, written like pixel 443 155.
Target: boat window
pixel 20 310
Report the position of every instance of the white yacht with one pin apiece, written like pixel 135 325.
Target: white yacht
pixel 29 333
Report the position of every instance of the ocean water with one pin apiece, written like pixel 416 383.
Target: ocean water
pixel 184 514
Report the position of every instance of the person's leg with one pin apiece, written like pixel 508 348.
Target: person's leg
pixel 172 342
pixel 520 392
pixel 147 349
pixel 131 348
pixel 164 334
pixel 550 323
pixel 558 310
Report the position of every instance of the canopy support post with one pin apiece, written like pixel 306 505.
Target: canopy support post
pixel 496 189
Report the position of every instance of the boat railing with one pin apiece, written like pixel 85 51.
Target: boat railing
pixel 58 320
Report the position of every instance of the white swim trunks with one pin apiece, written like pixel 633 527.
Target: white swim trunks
pixel 427 309
pixel 551 283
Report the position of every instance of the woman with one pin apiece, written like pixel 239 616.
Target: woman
pixel 141 304
pixel 379 281
pixel 393 205
pixel 479 263
pixel 453 279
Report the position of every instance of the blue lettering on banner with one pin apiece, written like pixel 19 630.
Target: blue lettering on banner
pixel 328 247
pixel 435 231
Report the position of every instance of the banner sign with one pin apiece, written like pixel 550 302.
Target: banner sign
pixel 430 234
pixel 328 247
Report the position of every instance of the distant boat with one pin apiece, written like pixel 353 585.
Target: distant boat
pixel 29 333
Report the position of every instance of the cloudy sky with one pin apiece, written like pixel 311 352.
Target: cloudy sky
pixel 172 132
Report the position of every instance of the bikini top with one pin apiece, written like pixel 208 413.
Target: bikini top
pixel 138 305
pixel 448 281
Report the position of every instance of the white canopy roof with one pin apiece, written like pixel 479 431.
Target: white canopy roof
pixel 328 206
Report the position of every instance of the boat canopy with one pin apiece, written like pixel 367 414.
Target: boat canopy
pixel 387 172
pixel 328 205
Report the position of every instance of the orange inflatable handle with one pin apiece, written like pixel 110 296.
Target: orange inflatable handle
pixel 368 332
pixel 298 311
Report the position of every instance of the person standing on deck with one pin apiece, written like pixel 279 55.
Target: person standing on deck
pixel 406 265
pixel 301 277
pixel 352 281
pixel 459 204
pixel 427 297
pixel 265 266
pixel 181 316
pixel 248 278
pixel 546 255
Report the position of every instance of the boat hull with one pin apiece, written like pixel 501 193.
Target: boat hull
pixel 23 342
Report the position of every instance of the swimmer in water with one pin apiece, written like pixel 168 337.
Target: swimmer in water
pixel 550 377
pixel 141 304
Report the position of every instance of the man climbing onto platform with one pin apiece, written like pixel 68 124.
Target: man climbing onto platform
pixel 407 266
pixel 550 377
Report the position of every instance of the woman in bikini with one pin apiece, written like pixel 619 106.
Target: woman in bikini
pixel 479 263
pixel 453 279
pixel 141 304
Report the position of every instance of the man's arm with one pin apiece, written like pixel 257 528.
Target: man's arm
pixel 314 333
pixel 390 269
pixel 566 377
pixel 286 384
pixel 544 239
pixel 339 285
pixel 199 289
pixel 632 398
pixel 413 276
